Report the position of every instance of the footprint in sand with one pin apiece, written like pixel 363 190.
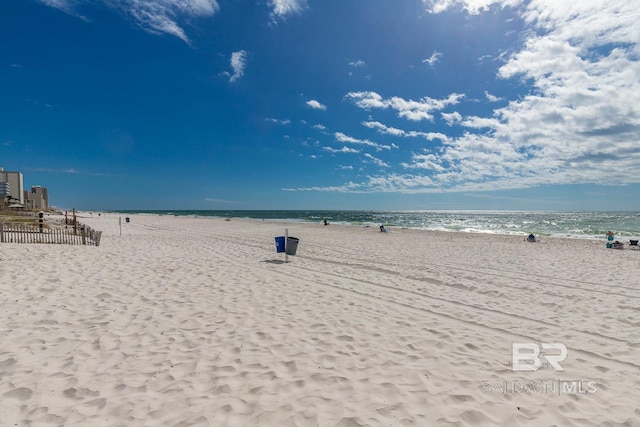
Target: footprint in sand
pixel 20 393
pixel 190 325
pixel 8 363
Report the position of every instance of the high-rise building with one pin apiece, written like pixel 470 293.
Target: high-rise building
pixel 16 186
pixel 38 198
pixel 4 190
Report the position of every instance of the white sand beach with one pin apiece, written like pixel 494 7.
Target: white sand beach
pixel 186 321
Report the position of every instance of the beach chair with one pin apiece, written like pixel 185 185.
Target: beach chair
pixel 633 244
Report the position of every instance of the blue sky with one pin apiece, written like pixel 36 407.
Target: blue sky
pixel 323 104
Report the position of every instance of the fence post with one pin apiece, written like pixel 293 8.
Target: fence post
pixel 1 232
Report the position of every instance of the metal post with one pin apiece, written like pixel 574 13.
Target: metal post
pixel 120 224
pixel 286 241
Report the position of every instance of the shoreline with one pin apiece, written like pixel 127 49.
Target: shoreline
pixel 624 238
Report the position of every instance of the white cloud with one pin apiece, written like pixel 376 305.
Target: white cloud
pixel 384 129
pixel 345 138
pixel 491 98
pixel 278 121
pixel 579 123
pixel 282 8
pixel 238 64
pixel 60 4
pixel 367 100
pixel 408 109
pixel 480 122
pixel 452 118
pixel 340 150
pixel 430 136
pixel 214 200
pixel 67 6
pixel 358 63
pixel 316 105
pixel 473 7
pixel 583 120
pixel 155 16
pixel 350 187
pixel 435 57
pixel 376 161
pixel 341 137
pixel 425 161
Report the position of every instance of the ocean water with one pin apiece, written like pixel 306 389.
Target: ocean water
pixel 589 225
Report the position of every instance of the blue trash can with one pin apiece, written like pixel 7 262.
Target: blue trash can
pixel 280 244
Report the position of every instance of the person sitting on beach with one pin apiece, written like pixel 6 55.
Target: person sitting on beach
pixel 326 222
pixel 531 238
pixel 382 229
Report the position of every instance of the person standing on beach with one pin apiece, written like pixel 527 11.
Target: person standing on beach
pixel 610 235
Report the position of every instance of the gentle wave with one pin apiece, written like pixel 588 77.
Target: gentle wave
pixel 590 225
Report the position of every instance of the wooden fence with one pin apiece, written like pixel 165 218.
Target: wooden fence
pixel 21 233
